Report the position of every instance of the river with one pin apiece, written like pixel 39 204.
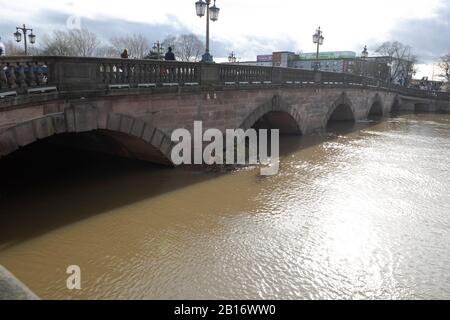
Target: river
pixel 361 214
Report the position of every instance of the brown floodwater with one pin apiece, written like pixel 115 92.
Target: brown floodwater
pixel 351 214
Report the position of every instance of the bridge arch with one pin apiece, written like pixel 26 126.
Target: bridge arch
pixel 274 115
pixel 82 127
pixel 395 107
pixel 376 108
pixel 341 111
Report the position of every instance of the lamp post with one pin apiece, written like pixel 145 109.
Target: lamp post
pixel 364 55
pixel 318 39
pixel 389 65
pixel 232 57
pixel 158 50
pixel 18 36
pixel 212 13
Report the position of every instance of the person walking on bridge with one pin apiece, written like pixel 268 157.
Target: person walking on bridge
pixel 124 54
pixel 170 55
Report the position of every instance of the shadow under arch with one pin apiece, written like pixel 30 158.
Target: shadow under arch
pixel 341 113
pixel 274 115
pixel 422 107
pixel 123 136
pixel 375 111
pixel 395 107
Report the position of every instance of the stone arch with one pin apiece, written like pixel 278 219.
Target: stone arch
pixel 129 136
pixel 396 102
pixel 275 114
pixel 341 110
pixel 376 107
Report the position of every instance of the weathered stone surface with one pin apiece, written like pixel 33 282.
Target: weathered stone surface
pixel 126 124
pixel 43 127
pixel 8 143
pixel 151 117
pixel 138 128
pixel 12 289
pixel 113 122
pixel 157 138
pixel 85 118
pixel 59 123
pixel 148 133
pixel 25 133
pixel 166 147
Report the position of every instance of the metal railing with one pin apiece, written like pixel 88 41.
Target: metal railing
pixel 23 75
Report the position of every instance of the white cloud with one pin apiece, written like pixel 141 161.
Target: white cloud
pixel 252 26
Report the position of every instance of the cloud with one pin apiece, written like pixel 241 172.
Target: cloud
pixel 250 27
pixel 429 37
pixel 45 22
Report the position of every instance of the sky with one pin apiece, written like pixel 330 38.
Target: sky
pixel 251 27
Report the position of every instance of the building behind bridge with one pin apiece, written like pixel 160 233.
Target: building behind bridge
pixel 340 61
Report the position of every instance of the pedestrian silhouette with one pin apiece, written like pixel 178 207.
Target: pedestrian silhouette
pixel 169 55
pixel 124 54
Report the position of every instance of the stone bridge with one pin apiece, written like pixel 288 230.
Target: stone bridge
pixel 130 107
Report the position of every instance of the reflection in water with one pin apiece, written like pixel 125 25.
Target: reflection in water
pixel 362 214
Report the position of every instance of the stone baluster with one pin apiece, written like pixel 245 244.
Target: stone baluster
pixel 119 71
pixel 21 75
pixel 131 73
pixel 107 73
pixel 40 76
pixel 145 73
pixel 30 76
pixel 151 73
pixel 3 79
pixel 126 73
pixel 11 76
pixel 113 73
pixel 138 70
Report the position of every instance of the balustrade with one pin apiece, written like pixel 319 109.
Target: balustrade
pixel 70 74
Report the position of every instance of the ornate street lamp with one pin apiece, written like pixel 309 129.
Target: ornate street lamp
pixel 18 36
pixel 364 53
pixel 158 50
pixel 364 56
pixel 212 13
pixel 232 57
pixel 318 39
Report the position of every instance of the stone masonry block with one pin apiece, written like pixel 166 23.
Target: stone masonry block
pixel 126 124
pixel 8 143
pixel 25 133
pixel 157 138
pixel 43 127
pixel 138 128
pixel 85 118
pixel 147 135
pixel 59 123
pixel 113 123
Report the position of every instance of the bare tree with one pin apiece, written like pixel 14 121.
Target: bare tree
pixel 84 42
pixel 58 44
pixel 108 51
pixel 444 66
pixel 400 58
pixel 190 47
pixel 187 47
pixel 138 46
pixel 13 49
pixel 79 43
